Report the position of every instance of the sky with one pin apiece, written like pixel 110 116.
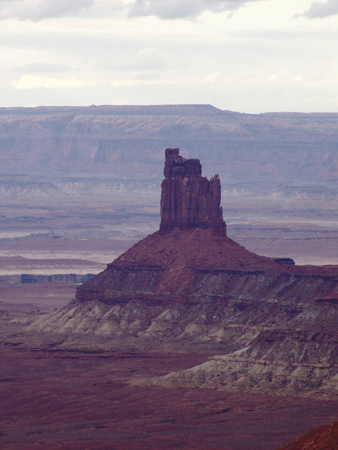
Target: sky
pixel 251 56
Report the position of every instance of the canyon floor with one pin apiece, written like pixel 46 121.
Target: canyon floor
pixel 85 400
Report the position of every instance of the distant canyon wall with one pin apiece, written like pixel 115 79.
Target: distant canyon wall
pixel 123 140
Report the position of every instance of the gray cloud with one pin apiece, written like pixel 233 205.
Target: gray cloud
pixel 42 9
pixel 36 10
pixel 322 10
pixel 174 9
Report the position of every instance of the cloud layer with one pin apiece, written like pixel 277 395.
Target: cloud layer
pixel 36 10
pixel 174 9
pixel 80 52
pixel 322 10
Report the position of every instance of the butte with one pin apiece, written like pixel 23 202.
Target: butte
pixel 189 288
pixel 191 246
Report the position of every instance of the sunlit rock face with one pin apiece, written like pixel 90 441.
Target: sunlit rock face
pixel 189 200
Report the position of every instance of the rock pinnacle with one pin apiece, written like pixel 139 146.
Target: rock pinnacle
pixel 189 200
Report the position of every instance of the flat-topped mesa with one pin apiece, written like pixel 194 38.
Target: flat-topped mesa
pixel 189 200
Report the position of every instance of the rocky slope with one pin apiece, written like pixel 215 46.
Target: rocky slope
pixel 323 438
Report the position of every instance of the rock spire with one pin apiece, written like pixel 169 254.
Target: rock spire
pixel 189 200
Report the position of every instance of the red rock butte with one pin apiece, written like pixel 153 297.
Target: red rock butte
pixel 190 259
pixel 189 200
pixel 189 288
pixel 190 245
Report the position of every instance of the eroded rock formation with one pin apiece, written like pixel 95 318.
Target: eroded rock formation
pixel 189 286
pixel 189 200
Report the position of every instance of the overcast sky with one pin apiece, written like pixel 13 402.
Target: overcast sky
pixel 242 55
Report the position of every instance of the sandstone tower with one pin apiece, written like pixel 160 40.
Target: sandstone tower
pixel 189 200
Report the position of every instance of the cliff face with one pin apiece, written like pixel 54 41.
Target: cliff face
pixel 189 200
